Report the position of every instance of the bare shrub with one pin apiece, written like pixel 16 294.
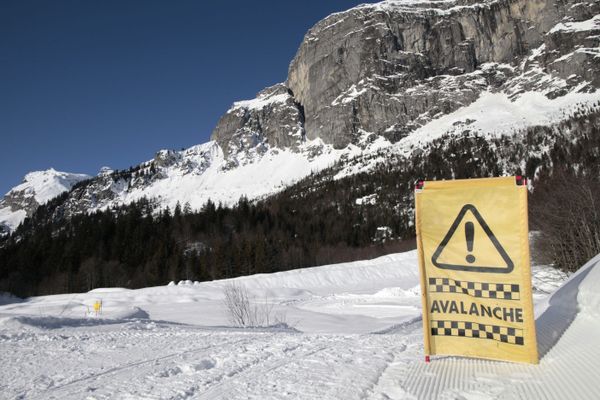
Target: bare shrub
pixel 565 208
pixel 246 312
pixel 238 304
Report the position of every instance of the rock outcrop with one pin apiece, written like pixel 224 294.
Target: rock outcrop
pixel 572 49
pixel 274 118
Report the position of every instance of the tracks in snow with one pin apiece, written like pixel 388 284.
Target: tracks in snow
pixel 65 390
pixel 244 377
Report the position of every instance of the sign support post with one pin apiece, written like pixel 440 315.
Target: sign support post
pixel 426 327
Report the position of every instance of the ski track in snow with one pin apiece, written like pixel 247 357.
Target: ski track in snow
pixel 104 379
pixel 63 356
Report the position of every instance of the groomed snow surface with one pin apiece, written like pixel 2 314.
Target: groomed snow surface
pixel 351 331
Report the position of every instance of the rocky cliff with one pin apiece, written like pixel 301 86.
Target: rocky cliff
pixel 386 69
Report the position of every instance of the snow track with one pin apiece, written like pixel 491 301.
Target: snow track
pixel 246 377
pixel 209 364
pixel 104 379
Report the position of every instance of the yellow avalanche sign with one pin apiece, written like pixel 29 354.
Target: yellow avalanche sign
pixel 472 237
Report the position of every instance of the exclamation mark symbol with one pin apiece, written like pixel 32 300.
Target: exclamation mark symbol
pixel 470 235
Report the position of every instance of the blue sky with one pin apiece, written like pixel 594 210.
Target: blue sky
pixel 85 84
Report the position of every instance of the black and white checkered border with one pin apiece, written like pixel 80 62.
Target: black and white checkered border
pixel 503 291
pixel 467 329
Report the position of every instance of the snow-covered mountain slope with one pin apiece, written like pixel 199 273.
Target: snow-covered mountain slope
pixel 204 172
pixel 356 334
pixel 37 188
pixel 191 176
pixel 201 173
pixel 493 116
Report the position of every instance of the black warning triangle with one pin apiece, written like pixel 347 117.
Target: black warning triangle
pixel 462 267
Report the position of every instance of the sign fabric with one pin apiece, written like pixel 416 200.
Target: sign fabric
pixel 472 238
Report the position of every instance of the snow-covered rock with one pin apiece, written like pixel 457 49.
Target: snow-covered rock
pixel 273 119
pixel 36 189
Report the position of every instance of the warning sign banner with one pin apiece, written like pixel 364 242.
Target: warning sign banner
pixel 472 237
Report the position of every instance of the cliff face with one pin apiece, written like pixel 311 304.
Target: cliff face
pixel 354 70
pixel 389 68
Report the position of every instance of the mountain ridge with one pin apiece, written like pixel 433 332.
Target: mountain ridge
pixel 392 75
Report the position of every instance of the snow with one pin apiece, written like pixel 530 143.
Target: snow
pixel 407 5
pixel 580 26
pixel 263 175
pixel 567 341
pixel 104 171
pixel 352 331
pixel 439 7
pixel 261 102
pixel 46 185
pixel 40 186
pixel 349 95
pixel 528 109
pixel 588 297
pixel 493 114
pixel 592 51
pixel 10 218
pixel 368 199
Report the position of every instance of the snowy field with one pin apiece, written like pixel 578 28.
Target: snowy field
pixel 352 331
